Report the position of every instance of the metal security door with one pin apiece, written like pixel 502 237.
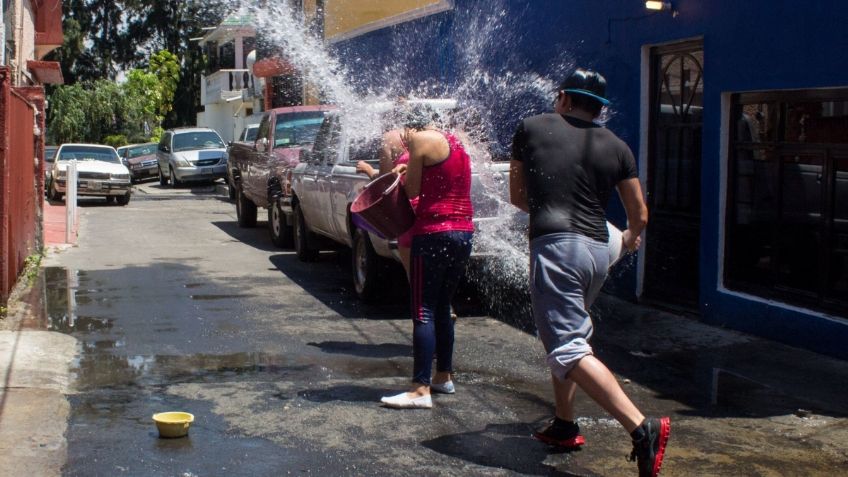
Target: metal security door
pixel 674 174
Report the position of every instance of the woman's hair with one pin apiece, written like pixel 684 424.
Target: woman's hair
pixel 417 116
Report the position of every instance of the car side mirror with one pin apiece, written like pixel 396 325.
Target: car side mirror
pixel 166 149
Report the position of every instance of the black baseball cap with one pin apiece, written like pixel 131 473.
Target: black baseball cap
pixel 587 83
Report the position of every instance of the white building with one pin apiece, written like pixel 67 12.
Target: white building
pixel 230 94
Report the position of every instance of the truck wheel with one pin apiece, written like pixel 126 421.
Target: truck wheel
pixel 245 210
pixel 281 231
pixel 110 199
pixel 231 189
pixel 163 181
pixel 368 268
pixel 52 194
pixel 123 199
pixel 303 246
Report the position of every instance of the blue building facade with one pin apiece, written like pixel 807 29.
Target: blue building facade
pixel 736 111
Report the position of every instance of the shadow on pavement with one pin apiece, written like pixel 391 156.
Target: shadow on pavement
pixel 257 237
pixel 329 280
pixel 345 393
pixel 716 373
pixel 501 446
pixel 382 350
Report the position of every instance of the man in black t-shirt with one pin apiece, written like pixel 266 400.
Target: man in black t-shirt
pixel 564 168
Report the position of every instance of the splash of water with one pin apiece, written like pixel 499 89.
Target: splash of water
pixel 490 95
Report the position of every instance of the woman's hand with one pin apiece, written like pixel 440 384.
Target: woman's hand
pixel 366 169
pixel 400 169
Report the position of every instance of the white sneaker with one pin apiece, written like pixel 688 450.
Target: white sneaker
pixel 403 401
pixel 444 388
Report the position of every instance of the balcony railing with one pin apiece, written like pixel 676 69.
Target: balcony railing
pixel 226 85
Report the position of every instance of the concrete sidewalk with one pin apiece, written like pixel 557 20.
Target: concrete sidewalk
pixel 55 223
pixel 35 372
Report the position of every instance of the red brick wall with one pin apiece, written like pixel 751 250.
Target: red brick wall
pixel 19 181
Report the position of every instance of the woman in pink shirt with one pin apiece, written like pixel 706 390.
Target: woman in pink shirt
pixel 438 182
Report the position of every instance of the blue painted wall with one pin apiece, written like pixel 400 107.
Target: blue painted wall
pixel 748 46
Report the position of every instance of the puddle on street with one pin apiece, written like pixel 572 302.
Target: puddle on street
pixel 107 360
pixel 722 382
pixel 71 323
pixel 217 297
pixel 102 369
pixel 119 382
pixel 709 382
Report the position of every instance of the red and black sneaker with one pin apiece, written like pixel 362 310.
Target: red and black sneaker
pixel 649 448
pixel 561 433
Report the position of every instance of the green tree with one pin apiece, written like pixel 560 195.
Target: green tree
pixel 165 66
pixel 105 37
pixel 66 118
pixel 141 102
pixel 106 110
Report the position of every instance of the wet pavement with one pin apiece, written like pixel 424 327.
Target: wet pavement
pixel 176 308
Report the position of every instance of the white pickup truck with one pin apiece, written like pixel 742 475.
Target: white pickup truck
pixel 325 183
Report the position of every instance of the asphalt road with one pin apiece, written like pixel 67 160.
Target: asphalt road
pixel 176 308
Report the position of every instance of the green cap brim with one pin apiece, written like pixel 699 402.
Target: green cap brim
pixel 584 92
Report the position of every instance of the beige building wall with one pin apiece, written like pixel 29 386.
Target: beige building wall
pixel 20 31
pixel 345 19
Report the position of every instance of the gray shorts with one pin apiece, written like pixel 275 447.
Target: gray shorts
pixel 567 271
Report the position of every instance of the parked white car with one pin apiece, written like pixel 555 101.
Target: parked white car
pixel 248 134
pixel 99 171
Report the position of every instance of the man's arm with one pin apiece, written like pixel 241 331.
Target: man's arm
pixel 630 191
pixel 517 189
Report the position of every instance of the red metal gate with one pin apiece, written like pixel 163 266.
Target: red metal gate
pixel 18 184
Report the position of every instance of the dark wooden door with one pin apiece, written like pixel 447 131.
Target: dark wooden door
pixel 674 174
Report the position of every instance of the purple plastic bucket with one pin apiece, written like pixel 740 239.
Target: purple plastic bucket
pixel 384 205
pixel 363 224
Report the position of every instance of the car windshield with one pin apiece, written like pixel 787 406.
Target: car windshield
pixel 189 141
pixel 297 129
pixel 50 153
pixel 143 150
pixel 89 153
pixel 250 133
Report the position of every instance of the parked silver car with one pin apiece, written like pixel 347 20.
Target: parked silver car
pixel 191 154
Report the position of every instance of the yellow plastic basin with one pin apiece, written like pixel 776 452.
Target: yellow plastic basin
pixel 173 424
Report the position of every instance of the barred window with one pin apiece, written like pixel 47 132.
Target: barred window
pixel 787 217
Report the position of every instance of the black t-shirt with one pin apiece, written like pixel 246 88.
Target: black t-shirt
pixel 570 169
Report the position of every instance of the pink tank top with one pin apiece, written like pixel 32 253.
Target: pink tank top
pixel 444 203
